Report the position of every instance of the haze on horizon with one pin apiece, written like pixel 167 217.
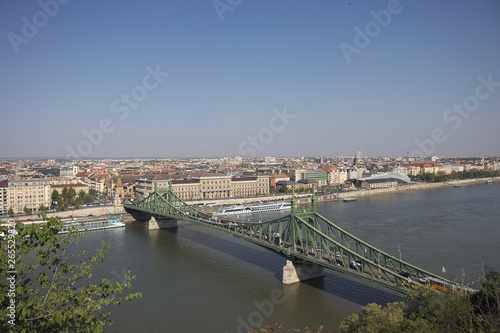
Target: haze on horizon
pixel 251 78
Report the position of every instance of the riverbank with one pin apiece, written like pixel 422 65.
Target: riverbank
pixel 415 187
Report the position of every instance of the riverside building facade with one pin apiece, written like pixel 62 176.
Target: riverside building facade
pixel 205 185
pixel 30 193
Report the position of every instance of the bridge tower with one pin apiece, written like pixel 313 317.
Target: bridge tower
pixel 156 221
pixel 294 272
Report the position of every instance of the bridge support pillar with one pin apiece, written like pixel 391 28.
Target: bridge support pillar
pixel 138 215
pixel 293 273
pixel 161 223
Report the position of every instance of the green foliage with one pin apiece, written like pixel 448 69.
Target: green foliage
pixel 10 211
pixel 60 203
pixel 374 318
pixel 71 193
pixel 68 194
pixel 443 312
pixel 441 177
pixel 64 193
pixel 55 195
pixel 81 195
pixel 486 304
pixel 27 210
pixel 428 310
pixel 88 198
pixel 52 290
pixel 42 208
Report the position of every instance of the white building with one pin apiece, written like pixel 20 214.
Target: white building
pixel 4 198
pixel 30 193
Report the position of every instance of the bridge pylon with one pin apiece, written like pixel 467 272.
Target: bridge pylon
pixel 296 272
pixel 162 223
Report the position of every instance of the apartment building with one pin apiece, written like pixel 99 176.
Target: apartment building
pixel 318 175
pixel 250 185
pixel 205 185
pixel 99 183
pixel 30 193
pixel 77 187
pixel 4 199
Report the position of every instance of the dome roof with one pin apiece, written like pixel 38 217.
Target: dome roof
pixel 401 177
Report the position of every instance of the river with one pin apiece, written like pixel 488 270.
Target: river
pixel 196 279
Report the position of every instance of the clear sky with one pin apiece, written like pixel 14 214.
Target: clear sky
pixel 249 77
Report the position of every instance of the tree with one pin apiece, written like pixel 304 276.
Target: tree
pixel 445 312
pixel 64 194
pixel 52 293
pixel 42 208
pixel 60 203
pixel 375 319
pixel 88 198
pixel 71 193
pixel 55 195
pixel 81 195
pixel 27 210
pixel 428 310
pixel 486 304
pixel 10 211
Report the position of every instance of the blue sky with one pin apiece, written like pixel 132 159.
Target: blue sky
pixel 270 78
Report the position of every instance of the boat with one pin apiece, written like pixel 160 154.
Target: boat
pixel 489 181
pixel 456 185
pixel 349 199
pixel 111 222
pixel 264 207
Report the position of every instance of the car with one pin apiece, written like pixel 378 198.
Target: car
pixel 353 264
pixel 89 215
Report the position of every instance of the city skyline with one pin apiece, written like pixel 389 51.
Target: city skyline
pixel 212 79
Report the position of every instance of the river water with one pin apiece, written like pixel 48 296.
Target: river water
pixel 196 279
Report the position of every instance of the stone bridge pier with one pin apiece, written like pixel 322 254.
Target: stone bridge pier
pixel 296 272
pixel 157 222
pixel 139 215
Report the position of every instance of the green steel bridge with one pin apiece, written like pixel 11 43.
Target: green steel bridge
pixel 304 237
